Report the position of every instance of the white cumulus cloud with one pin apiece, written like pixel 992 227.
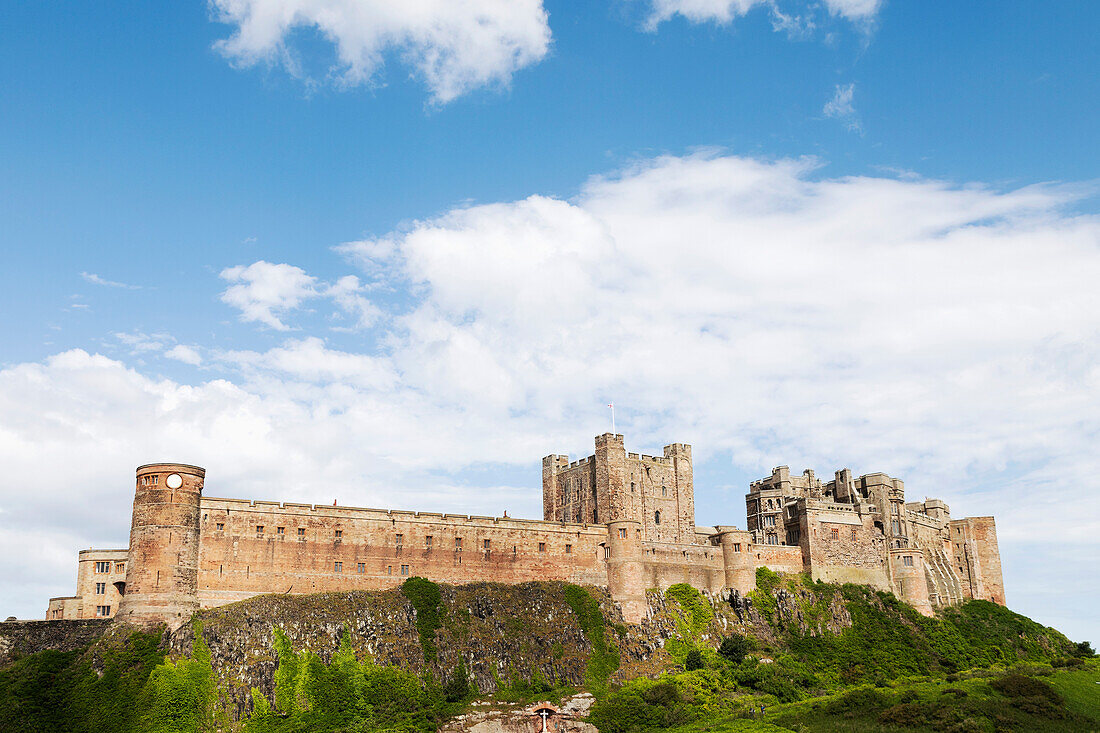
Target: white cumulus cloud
pixel 263 291
pixel 186 354
pixel 453 45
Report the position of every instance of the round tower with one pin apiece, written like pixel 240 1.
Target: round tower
pixel 625 570
pixel 163 562
pixel 737 558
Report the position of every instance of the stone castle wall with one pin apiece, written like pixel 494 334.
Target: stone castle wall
pixel 249 548
pixel 620 520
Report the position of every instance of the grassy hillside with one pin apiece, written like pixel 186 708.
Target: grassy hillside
pixel 816 657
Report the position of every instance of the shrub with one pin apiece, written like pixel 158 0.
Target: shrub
pixel 734 648
pixel 424 596
pixel 662 693
pixel 457 686
pixel 859 701
pixel 1085 650
pixel 697 609
pixel 694 660
pixel 904 715
pixel 1017 685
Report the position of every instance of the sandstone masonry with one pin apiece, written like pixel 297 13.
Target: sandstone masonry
pixel 619 520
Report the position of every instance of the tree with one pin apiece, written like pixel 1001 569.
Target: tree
pixel 457 687
pixel 1084 649
pixel 734 648
pixel 693 661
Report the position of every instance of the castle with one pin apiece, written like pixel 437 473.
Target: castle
pixel 615 519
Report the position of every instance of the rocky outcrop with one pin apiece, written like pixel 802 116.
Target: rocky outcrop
pixel 489 718
pixel 19 638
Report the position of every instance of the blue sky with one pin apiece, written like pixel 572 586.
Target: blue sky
pixel 825 234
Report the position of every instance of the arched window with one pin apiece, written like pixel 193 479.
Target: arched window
pixel 664 491
pixel 656 517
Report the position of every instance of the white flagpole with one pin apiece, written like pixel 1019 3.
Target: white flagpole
pixel 612 406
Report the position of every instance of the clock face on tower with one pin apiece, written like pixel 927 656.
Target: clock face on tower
pixel 174 481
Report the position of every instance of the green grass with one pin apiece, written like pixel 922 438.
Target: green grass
pixel 968 705
pixel 1081 689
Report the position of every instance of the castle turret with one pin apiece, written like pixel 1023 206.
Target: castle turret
pixel 551 501
pixel 680 456
pixel 162 563
pixel 907 572
pixel 625 570
pixel 611 478
pixel 737 559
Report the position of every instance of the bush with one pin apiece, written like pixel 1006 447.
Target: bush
pixel 1085 650
pixel 694 661
pixel 457 687
pixel 1017 685
pixel 424 596
pixel 859 701
pixel 734 648
pixel 662 693
pixel 905 715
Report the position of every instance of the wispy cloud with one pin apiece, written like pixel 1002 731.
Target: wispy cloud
pixel 840 107
pixel 797 18
pixel 97 280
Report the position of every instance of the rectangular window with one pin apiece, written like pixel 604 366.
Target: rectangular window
pixel 361 568
pixel 339 535
pixel 737 547
pixel 102 610
pixel 773 539
pixel 100 588
pixel 103 567
pixel 606 553
pixel 259 529
pixel 458 544
pixel 220 527
pixel 428 542
pixel 120 567
pixel 853 533
pixel 399 541
pixel 622 533
pixel 404 569
pixel 907 561
pixel 485 544
pixel 389 570
pixel 301 533
pixel 338 567
pixel 542 547
pixel 281 531
pixel 769 520
pixel 835 534
pixel 569 549
pixel 896 526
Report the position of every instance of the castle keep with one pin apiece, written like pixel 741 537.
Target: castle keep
pixel 616 519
